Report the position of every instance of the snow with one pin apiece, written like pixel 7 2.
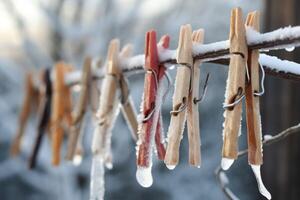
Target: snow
pixel 254 37
pixel 211 47
pixel 274 63
pixel 226 163
pixel 77 159
pixel 267 137
pixel 261 187
pixel 144 176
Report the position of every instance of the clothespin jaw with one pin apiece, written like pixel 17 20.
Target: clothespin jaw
pixel 192 109
pixel 79 113
pixel 180 97
pixel 113 57
pixel 234 88
pixel 254 133
pixel 30 95
pixel 61 109
pixel 127 105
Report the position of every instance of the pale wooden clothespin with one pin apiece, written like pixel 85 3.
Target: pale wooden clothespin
pixel 252 101
pixel 234 89
pixel 31 96
pixel 192 109
pixel 61 109
pixel 108 105
pixel 79 112
pixel 180 97
pixel 254 132
pixel 127 105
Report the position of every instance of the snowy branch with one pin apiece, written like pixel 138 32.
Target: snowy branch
pixel 221 175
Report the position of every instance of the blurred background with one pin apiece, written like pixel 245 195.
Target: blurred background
pixel 37 33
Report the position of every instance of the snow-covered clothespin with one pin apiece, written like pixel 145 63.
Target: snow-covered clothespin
pixel 254 132
pixel 44 113
pixel 127 105
pixel 27 107
pixel 75 151
pixel 181 93
pixel 192 109
pixel 108 106
pixel 61 109
pixel 150 128
pixel 235 88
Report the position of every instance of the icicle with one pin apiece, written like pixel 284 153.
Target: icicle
pixel 290 49
pixel 268 137
pixel 77 159
pixel 226 163
pixel 261 187
pixel 171 167
pixel 144 176
pixel 97 179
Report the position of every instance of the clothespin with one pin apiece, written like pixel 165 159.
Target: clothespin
pixel 94 91
pixel 254 132
pixel 108 105
pixel 181 94
pixel 127 106
pixel 44 113
pixel 61 109
pixel 150 129
pixel 192 109
pixel 252 100
pixel 78 115
pixel 27 109
pixel 235 88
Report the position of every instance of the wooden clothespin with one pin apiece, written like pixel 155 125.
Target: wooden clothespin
pixel 78 114
pixel 254 132
pixel 44 113
pixel 61 109
pixel 94 91
pixel 150 128
pixel 180 97
pixel 108 105
pixel 235 88
pixel 252 100
pixel 127 105
pixel 192 109
pixel 27 108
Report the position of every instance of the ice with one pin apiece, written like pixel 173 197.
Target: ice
pixel 171 167
pixel 290 49
pixel 97 179
pixel 144 176
pixel 226 163
pixel 262 189
pixel 77 159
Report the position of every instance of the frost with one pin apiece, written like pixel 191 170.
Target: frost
pixel 290 49
pixel 261 187
pixel 226 163
pixel 144 176
pixel 97 179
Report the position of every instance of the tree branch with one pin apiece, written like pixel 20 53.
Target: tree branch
pixel 221 175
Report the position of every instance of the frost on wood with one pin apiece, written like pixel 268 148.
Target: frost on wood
pixel 97 178
pixel 144 176
pixel 226 163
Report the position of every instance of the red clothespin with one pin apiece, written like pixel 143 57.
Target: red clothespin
pixel 150 129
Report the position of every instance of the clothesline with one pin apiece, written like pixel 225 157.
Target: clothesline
pixel 283 38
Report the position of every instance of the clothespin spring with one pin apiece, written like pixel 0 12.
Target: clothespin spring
pixel 259 94
pixel 201 98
